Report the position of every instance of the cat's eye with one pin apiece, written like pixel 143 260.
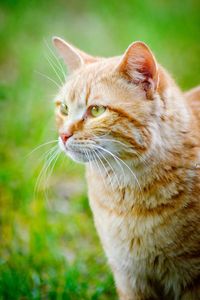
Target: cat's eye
pixel 96 110
pixel 64 109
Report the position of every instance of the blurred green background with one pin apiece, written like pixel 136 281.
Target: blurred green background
pixel 49 248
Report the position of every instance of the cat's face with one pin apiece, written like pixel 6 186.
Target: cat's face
pixel 104 110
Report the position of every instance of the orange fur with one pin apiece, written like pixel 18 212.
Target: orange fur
pixel 145 199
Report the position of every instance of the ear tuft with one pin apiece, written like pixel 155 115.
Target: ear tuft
pixel 73 57
pixel 139 66
pixel 69 54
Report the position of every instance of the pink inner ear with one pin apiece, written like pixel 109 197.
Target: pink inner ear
pixel 146 67
pixel 139 64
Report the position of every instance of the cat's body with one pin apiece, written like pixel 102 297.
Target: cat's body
pixel 144 171
pixel 151 236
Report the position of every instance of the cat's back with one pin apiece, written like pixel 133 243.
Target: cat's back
pixel 193 100
pixel 193 95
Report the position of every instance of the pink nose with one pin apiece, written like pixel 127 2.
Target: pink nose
pixel 65 136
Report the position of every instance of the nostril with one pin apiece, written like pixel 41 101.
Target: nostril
pixel 65 137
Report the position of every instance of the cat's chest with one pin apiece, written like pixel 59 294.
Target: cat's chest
pixel 125 229
pixel 113 211
pixel 130 243
pixel 122 230
pixel 133 243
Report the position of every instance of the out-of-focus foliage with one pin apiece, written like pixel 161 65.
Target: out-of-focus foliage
pixel 48 244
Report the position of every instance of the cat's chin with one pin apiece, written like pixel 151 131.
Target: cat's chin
pixel 77 156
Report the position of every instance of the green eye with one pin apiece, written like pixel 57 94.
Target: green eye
pixel 64 109
pixel 96 110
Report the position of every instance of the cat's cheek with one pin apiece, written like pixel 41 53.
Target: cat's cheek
pixel 137 136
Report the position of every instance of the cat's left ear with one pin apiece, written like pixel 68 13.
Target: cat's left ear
pixel 139 66
pixel 73 57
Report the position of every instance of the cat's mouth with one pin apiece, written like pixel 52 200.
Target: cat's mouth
pixel 83 150
pixel 79 152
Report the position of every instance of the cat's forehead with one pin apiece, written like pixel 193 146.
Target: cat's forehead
pixel 87 84
pixel 79 89
pixel 98 84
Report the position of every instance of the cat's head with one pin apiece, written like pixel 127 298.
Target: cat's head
pixel 107 106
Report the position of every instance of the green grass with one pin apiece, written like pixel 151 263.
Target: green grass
pixel 49 248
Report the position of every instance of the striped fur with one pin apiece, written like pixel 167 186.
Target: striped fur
pixel 146 203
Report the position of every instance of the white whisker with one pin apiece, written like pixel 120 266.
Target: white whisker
pixel 54 69
pixel 106 171
pixel 49 78
pixel 42 145
pixel 115 141
pixel 113 155
pixel 50 156
pixel 55 158
pixel 109 164
pixel 95 160
pixel 57 60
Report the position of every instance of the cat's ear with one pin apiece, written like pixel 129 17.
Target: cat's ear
pixel 139 66
pixel 73 57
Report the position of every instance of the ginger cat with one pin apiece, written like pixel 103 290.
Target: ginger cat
pixel 139 137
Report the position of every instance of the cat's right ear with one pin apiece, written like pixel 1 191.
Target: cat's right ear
pixel 140 67
pixel 73 57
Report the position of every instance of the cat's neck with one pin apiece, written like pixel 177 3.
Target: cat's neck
pixel 145 188
pixel 166 172
pixel 163 175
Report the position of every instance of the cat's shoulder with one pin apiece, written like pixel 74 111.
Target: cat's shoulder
pixel 193 95
pixel 193 100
